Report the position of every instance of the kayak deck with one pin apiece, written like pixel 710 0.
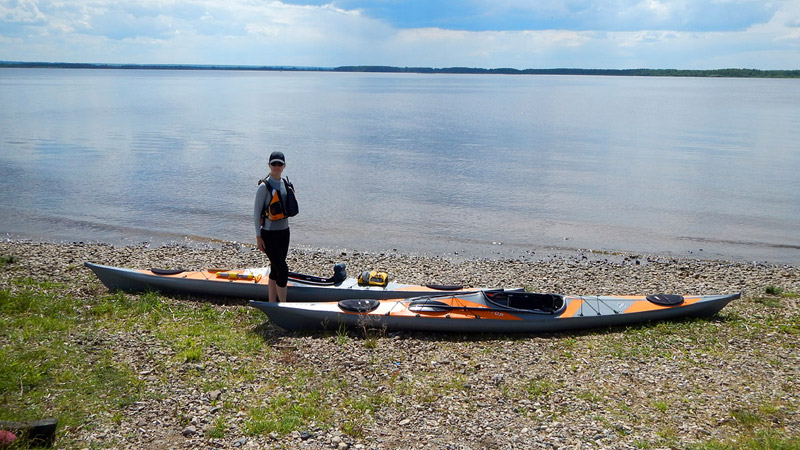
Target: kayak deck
pixel 479 312
pixel 252 284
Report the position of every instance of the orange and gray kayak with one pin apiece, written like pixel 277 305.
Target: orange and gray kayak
pixel 492 311
pixel 252 284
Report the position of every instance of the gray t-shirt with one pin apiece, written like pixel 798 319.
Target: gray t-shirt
pixel 263 196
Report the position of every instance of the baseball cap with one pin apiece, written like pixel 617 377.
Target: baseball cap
pixel 277 156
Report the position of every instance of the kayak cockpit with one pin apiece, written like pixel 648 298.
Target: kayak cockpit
pixel 514 301
pixel 525 301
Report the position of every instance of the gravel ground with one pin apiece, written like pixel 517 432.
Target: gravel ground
pixel 638 387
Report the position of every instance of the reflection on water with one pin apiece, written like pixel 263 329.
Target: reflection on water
pixel 418 163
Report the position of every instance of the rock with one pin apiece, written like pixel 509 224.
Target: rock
pixel 189 431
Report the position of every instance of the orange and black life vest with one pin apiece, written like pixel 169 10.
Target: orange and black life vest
pixel 278 208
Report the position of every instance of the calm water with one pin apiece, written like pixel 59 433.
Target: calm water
pixel 473 164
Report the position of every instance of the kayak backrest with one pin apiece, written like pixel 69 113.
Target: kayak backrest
pixel 445 287
pixel 526 301
pixel 428 305
pixel 665 299
pixel 158 271
pixel 359 305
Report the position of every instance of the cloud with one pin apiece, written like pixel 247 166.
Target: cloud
pixel 21 11
pixel 476 33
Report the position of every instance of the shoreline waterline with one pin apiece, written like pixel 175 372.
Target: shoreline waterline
pixel 497 252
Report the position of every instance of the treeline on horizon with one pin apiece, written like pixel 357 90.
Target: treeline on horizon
pixel 728 73
pixel 741 73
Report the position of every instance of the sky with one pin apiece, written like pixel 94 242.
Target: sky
pixel 521 34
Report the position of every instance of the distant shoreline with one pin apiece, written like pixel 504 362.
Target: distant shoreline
pixel 714 73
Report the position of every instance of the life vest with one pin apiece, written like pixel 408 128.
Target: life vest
pixel 277 208
pixel 274 211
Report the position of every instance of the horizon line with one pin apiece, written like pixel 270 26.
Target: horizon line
pixel 721 72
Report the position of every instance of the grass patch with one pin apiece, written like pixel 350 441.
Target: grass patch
pixel 773 290
pixel 45 372
pixel 777 291
pixel 661 406
pixel 354 428
pixel 538 387
pixel 6 260
pixel 285 413
pixel 770 302
pixel 189 328
pixel 218 430
pixel 589 396
pixel 60 361
pixel 761 440
pixel 746 418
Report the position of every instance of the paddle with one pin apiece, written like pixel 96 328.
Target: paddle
pixel 437 306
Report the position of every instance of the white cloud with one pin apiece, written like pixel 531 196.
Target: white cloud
pixel 21 11
pixel 623 34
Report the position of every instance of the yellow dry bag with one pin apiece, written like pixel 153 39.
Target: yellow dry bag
pixel 373 278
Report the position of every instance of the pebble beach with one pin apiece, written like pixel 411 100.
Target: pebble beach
pixel 588 389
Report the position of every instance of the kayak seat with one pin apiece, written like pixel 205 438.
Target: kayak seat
pixel 359 305
pixel 528 301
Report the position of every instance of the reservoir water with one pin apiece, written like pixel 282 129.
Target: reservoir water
pixel 478 165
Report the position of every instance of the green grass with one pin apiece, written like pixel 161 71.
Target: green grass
pixel 286 413
pixel 660 406
pixel 219 428
pixel 538 387
pixel 773 290
pixel 47 370
pixel 59 358
pixel 6 260
pixel 762 440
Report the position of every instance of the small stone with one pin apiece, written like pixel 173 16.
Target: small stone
pixel 189 431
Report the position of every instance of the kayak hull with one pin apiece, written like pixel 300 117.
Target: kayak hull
pixel 480 316
pixel 206 283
